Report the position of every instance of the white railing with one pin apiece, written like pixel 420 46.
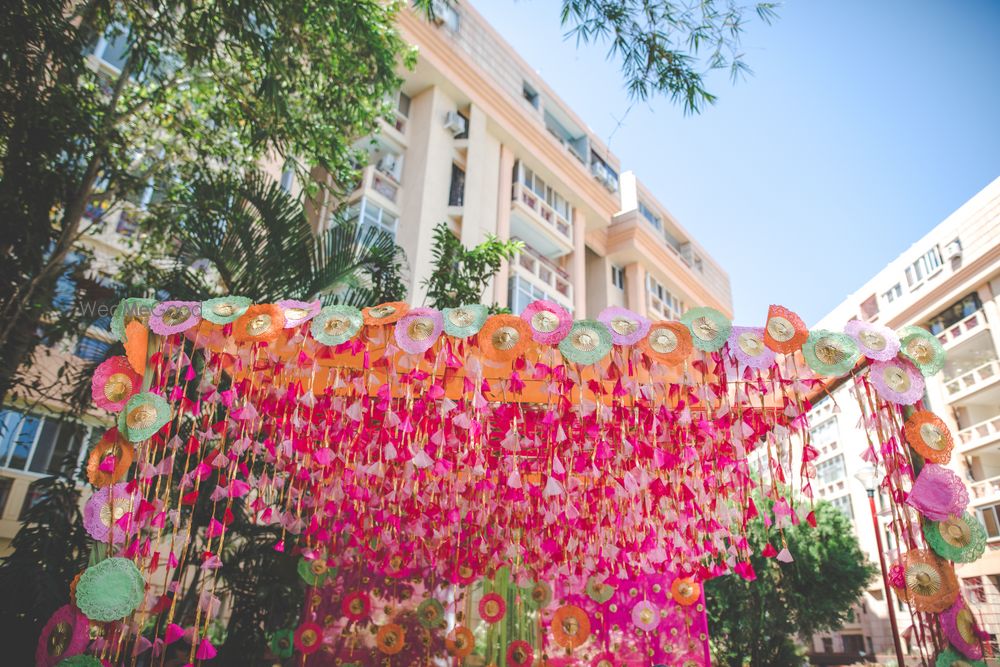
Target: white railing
pixel 543 212
pixel 986 489
pixel 975 379
pixel 553 277
pixel 963 329
pixel 378 181
pixel 980 432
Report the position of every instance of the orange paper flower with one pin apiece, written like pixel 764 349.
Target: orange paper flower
pixel 504 337
pixel 931 584
pixel 390 638
pixel 570 626
pixel 114 445
pixel 385 313
pixel 685 591
pixel 929 436
pixel 667 342
pixel 460 642
pixel 785 331
pixel 136 345
pixel 262 322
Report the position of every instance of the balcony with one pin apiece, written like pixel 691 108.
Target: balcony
pixel 384 185
pixel 544 274
pixel 963 330
pixel 978 435
pixel 972 381
pixel 985 491
pixel 539 224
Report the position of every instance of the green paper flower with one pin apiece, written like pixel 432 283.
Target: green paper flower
pixel 962 539
pixel 79 661
pixel 336 324
pixel 587 342
pixel 464 321
pixel 537 596
pixel 830 353
pixel 922 348
pixel 950 658
pixel 110 590
pixel 144 415
pixel 283 643
pixel 709 328
pixel 430 614
pixel 129 309
pixel 314 572
pixel 225 309
pixel 598 591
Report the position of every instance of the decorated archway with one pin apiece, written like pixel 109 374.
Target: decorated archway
pixel 466 488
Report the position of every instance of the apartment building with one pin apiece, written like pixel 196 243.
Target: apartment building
pixel 476 140
pixel 949 282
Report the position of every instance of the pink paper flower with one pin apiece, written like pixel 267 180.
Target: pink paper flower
pixel 171 317
pixel 876 341
pixel 549 321
pixel 418 329
pixel 938 493
pixel 897 381
pixel 627 327
pixel 114 382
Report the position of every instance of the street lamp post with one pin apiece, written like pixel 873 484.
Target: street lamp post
pixel 868 476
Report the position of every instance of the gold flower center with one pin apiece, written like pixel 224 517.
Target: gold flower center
pixel 751 343
pixel 586 340
pixel 382 311
pixel 421 328
pixel 966 624
pixel 664 341
pixel 59 639
pixel 460 317
pixel 624 326
pixel 141 417
pixel 545 321
pixel 224 309
pixel 308 637
pixel 780 329
pixel 176 314
pixel 897 379
pixel 571 625
pixel 705 329
pixel 118 387
pixel 932 436
pixel 919 349
pixel 872 340
pixel 646 616
pixel 112 512
pixel 259 324
pixel 956 533
pixel 318 567
pixel 829 352
pixel 357 606
pixel 336 325
pixel 492 608
pixel 505 338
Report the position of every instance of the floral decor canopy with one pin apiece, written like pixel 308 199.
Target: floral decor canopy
pixel 454 447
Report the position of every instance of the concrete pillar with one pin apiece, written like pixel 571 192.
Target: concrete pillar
pixel 482 164
pixel 504 186
pixel 426 178
pixel 579 259
pixel 635 288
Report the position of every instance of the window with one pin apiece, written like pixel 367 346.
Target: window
pixel 530 94
pixel 661 301
pixel 824 433
pixel 831 470
pixel 5 485
pixel 843 503
pixel 112 47
pixel 651 217
pixel 618 277
pixel 894 293
pixel 38 444
pixel 926 265
pixel 533 182
pixel 287 179
pixel 991 520
pixel 403 104
pixel 456 192
pixel 827 644
pixel 603 172
pixel 443 13
pixel 869 308
pixel 956 312
pixel 372 215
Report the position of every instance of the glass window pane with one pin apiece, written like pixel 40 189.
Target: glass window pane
pixel 989 519
pixel 10 421
pixel 23 442
pixel 46 443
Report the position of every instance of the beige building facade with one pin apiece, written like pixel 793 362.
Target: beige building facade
pixel 949 282
pixel 477 140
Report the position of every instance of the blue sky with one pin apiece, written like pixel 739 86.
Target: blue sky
pixel 865 124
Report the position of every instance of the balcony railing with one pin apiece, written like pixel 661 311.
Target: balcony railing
pixel 544 213
pixel 985 490
pixel 963 329
pixel 554 278
pixel 980 433
pixel 974 380
pixel 375 180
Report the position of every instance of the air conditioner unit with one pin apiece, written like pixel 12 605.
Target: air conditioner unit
pixel 388 164
pixel 438 10
pixel 454 122
pixel 598 171
pixel 611 183
pixel 953 250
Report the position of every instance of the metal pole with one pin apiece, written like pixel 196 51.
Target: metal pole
pixel 901 661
